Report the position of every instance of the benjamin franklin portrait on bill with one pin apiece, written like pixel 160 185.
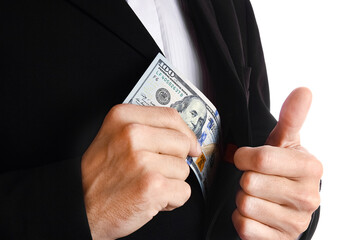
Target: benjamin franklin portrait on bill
pixel 193 111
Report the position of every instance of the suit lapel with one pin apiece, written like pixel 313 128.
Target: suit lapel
pixel 204 15
pixel 228 76
pixel 230 93
pixel 117 17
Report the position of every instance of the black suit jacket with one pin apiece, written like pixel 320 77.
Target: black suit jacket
pixel 65 63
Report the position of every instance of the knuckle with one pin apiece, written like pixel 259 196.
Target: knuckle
pixel 263 158
pixel 300 225
pixel 238 156
pixel 148 190
pixel 242 226
pixel 173 117
pixel 172 114
pixel 185 169
pixel 117 112
pixel 131 132
pixel 131 129
pixel 309 202
pixel 186 192
pixel 318 168
pixel 138 159
pixel 248 182
pixel 244 204
pixel 149 186
pixel 315 203
pixel 154 183
pixel 313 166
pixel 183 143
pixel 182 138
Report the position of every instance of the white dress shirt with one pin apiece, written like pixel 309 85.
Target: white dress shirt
pixel 167 23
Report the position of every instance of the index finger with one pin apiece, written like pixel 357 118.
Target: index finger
pixel 161 117
pixel 285 162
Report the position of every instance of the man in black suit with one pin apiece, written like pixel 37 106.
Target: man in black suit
pixel 65 64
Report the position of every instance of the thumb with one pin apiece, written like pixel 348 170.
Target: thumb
pixel 292 116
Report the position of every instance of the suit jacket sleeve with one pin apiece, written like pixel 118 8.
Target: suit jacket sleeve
pixel 43 203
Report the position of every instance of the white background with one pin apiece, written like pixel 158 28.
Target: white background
pixel 317 44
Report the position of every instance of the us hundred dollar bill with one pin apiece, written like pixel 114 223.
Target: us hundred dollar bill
pixel 162 85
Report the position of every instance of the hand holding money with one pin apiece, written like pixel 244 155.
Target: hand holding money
pixel 136 167
pixel 162 85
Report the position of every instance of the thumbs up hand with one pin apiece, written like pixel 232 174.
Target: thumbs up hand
pixel 280 185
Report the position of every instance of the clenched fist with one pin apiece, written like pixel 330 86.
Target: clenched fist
pixel 136 167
